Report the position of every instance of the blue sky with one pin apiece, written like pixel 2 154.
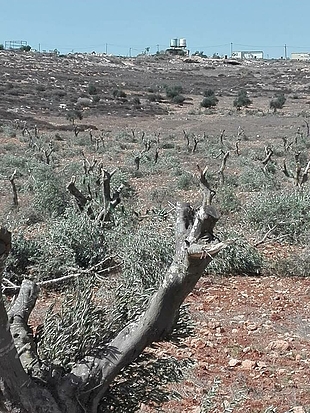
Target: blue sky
pixel 125 27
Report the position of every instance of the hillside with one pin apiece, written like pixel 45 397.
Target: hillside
pixel 60 116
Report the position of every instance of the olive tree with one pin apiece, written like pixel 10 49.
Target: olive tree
pixel 82 387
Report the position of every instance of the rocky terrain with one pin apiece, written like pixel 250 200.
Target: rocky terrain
pixel 250 348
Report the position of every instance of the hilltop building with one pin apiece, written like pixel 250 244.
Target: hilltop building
pixel 300 56
pixel 249 54
pixel 178 47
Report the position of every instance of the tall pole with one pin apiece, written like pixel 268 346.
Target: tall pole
pixel 106 48
pixel 285 52
pixel 231 49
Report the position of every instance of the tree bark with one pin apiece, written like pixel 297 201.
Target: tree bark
pixel 16 385
pixel 89 379
pixel 195 248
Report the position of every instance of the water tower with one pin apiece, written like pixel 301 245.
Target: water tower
pixel 177 47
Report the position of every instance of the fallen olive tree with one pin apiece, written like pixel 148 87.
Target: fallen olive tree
pixel 81 389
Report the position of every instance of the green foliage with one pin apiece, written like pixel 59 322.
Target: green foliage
pixel 173 91
pixel 242 99
pixel 1 47
pixel 178 99
pixel 81 328
pixel 254 177
pixel 239 258
pixel 213 401
pixel 73 115
pixel 278 102
pixel 200 54
pixel 287 211
pixel 186 181
pixel 96 98
pixel 136 101
pixel 9 162
pixel 68 242
pixel 117 93
pixel 209 101
pixel 40 88
pixel 151 252
pixel 155 97
pixel 227 200
pixel 25 48
pixel 21 257
pixel 92 89
pixel 77 232
pixel 148 378
pixel 50 196
pixel 208 93
pixel 294 265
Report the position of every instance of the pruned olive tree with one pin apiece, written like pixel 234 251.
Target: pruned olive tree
pixel 82 388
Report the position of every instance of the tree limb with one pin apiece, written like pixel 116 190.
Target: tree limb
pixel 18 316
pixel 195 248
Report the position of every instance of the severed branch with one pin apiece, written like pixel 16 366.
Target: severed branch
pixel 17 350
pixel 221 138
pixel 196 246
pixel 18 316
pixel 12 181
pixel 95 270
pixel 304 177
pixel 268 153
pixel 299 178
pixel 223 167
pixel 81 199
pixel 261 241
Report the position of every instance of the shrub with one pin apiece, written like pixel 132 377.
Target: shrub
pixel 96 99
pixel 68 242
pixel 227 200
pixel 25 48
pixel 117 93
pixel 209 102
pixel 80 327
pixel 40 88
pixel 59 93
pixel 287 211
pixel 92 90
pixel 72 115
pixel 186 181
pixel 151 251
pixel 239 258
pixel 178 99
pixel 242 99
pixel 254 178
pixel 173 91
pixel 50 196
pixel 208 92
pixel 21 257
pixel 278 102
pixel 136 101
pixel 296 264
pixel 155 97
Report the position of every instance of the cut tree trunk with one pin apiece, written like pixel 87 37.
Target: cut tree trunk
pixel 89 379
pixel 16 385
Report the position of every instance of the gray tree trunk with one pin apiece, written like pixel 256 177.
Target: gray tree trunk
pixel 89 379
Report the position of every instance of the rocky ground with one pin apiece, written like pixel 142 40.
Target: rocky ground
pixel 252 335
pixel 251 338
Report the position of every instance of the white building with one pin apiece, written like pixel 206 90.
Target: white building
pixel 300 56
pixel 248 54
